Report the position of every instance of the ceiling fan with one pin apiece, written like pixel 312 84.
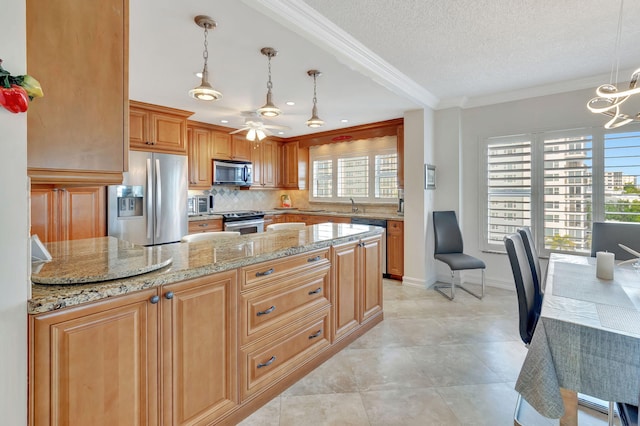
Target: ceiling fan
pixel 255 128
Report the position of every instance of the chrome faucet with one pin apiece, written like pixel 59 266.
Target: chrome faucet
pixel 354 209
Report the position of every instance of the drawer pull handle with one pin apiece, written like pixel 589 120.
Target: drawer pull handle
pixel 316 334
pixel 316 291
pixel 268 311
pixel 314 259
pixel 267 272
pixel 154 299
pixel 203 225
pixel 268 363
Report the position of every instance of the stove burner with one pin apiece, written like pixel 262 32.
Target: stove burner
pixel 242 215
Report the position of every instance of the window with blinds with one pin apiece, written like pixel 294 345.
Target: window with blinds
pixel 508 187
pixel 365 170
pixel 353 177
pixel 559 183
pixel 621 177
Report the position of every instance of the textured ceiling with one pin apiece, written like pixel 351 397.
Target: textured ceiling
pixel 470 48
pixel 379 58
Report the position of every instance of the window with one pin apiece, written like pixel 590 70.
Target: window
pixel 365 170
pixel 566 180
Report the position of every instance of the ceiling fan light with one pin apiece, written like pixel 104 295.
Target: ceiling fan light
pixel 260 134
pixel 251 135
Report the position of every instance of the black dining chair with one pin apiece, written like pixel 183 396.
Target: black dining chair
pixel 449 250
pixel 628 414
pixel 529 301
pixel 605 236
pixel 532 256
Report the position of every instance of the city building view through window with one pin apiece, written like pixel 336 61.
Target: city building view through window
pixel 559 183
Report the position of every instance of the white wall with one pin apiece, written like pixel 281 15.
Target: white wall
pixel 418 240
pixel 13 229
pixel 562 111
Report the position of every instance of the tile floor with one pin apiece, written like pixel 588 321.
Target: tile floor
pixel 430 362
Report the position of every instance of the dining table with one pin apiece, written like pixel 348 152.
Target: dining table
pixel 587 338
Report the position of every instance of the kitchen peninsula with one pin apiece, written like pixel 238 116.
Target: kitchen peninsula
pixel 216 332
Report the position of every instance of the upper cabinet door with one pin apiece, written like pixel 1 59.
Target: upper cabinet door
pixel 157 128
pixel 77 131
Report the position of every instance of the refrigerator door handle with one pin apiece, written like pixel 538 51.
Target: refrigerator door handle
pixel 149 200
pixel 158 198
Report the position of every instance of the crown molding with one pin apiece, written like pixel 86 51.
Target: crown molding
pixel 306 21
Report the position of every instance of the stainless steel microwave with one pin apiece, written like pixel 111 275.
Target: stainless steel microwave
pixel 228 172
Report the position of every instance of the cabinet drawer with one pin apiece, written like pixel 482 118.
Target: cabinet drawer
pixel 267 272
pixel 205 225
pixel 268 308
pixel 395 227
pixel 263 366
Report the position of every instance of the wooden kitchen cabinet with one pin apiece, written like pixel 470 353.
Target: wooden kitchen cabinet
pixel 222 149
pixel 200 155
pixel 314 219
pixel 96 363
pixel 118 361
pixel 294 166
pixel 400 150
pixel 395 249
pixel 157 128
pixel 199 349
pixel 208 225
pixel 68 213
pixel 77 132
pixel 265 161
pixel 241 148
pixel 357 280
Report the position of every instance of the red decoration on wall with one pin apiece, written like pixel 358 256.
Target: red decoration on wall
pixel 342 138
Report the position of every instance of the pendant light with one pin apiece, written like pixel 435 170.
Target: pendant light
pixel 269 109
pixel 314 121
pixel 205 92
pixel 609 98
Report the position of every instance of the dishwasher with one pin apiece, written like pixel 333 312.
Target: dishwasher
pixel 383 224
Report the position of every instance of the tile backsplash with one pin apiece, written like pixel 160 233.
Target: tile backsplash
pixel 229 198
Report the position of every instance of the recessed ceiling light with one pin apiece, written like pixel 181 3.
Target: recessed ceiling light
pixel 199 74
pixel 224 121
pixel 290 103
pixel 281 133
pixel 344 120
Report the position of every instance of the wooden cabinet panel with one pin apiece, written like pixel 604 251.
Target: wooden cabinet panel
pixel 294 166
pixel 200 155
pixel 395 248
pixel 268 272
pixel 266 309
pixel 264 365
pixel 371 275
pixel 209 225
pixel 157 128
pixel 199 349
pixel 346 294
pixel 59 213
pixel 96 364
pixel 221 145
pixel 241 148
pixel 265 161
pixel 357 280
pixel 78 131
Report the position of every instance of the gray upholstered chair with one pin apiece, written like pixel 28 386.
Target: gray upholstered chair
pixel 606 236
pixel 449 250
pixel 208 236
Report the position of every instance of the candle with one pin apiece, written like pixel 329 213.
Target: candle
pixel 604 265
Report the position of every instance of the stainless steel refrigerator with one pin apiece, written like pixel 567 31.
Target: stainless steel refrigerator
pixel 150 207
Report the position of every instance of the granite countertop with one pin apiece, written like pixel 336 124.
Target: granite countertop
pixel 188 260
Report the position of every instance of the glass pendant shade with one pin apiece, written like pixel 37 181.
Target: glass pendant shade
pixel 251 135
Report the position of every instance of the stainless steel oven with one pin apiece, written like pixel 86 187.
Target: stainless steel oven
pixel 245 222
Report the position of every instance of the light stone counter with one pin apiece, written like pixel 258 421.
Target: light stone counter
pixel 320 212
pixel 188 260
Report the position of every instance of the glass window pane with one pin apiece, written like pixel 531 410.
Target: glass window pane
pixel 353 177
pixel 621 171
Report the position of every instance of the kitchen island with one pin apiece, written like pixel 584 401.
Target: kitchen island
pixel 206 339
